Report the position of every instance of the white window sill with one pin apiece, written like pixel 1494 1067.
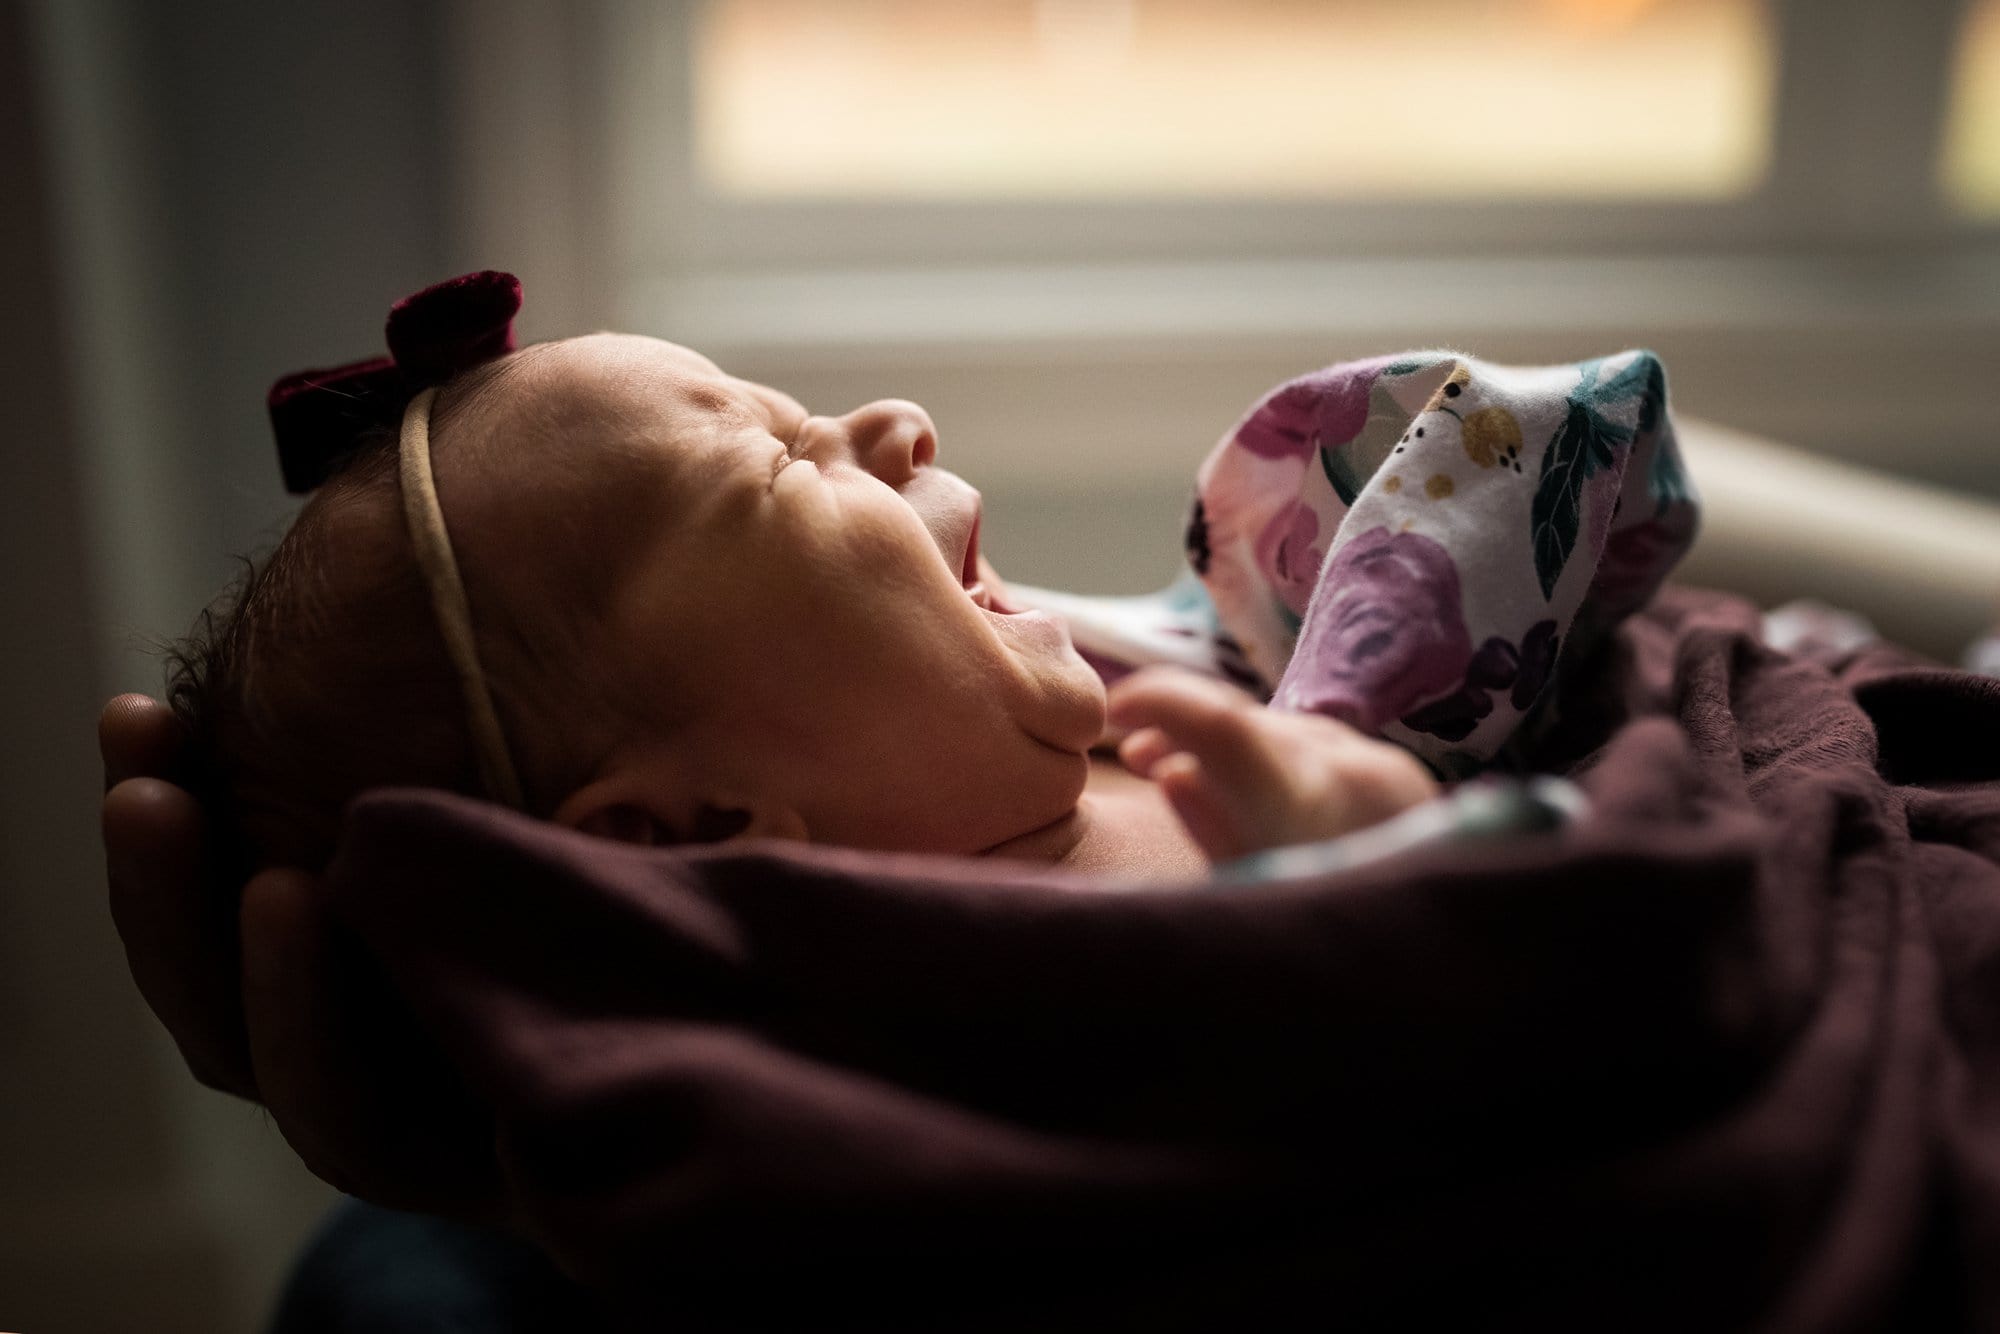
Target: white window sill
pixel 1094 375
pixel 830 312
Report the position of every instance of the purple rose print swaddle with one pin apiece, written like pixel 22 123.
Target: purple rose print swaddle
pixel 1411 544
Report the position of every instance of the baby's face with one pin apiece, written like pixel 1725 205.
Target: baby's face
pixel 795 615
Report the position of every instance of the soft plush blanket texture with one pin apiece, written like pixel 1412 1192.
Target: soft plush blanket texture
pixel 1724 1054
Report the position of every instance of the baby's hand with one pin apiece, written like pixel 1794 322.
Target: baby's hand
pixel 1243 777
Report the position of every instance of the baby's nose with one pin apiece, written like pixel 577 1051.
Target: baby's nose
pixel 892 438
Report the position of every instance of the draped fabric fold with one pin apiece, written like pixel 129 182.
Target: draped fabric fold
pixel 1723 1054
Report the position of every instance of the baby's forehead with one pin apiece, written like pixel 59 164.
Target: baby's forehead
pixel 618 352
pixel 610 411
pixel 623 374
pixel 578 450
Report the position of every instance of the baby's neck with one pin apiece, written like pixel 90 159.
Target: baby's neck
pixel 1121 826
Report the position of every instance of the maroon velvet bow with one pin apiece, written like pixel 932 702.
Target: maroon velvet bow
pixel 319 416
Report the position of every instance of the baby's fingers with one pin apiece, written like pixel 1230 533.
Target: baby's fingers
pixel 1205 811
pixel 1144 749
pixel 1161 691
pixel 1210 718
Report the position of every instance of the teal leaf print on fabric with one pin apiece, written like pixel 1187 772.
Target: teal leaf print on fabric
pixel 1409 365
pixel 1645 377
pixel 1654 405
pixel 1586 442
pixel 1339 470
pixel 1666 483
pixel 1557 511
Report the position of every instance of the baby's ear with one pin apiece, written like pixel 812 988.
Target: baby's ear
pixel 727 822
pixel 616 808
pixel 622 822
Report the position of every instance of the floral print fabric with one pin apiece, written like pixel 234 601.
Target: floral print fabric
pixel 1415 544
pixel 1412 544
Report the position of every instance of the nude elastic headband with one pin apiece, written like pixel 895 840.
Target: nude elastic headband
pixel 322 416
pixel 454 613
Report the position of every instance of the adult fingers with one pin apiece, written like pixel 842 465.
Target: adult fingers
pixel 284 969
pixel 367 1103
pixel 139 737
pixel 179 938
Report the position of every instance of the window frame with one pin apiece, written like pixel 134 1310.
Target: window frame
pixel 1854 278
pixel 588 108
pixel 1856 81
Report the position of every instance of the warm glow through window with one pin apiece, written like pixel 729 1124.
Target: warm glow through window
pixel 1972 141
pixel 1368 98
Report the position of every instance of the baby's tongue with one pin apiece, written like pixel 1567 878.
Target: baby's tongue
pixel 996 589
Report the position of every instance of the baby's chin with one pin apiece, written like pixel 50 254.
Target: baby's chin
pixel 1066 706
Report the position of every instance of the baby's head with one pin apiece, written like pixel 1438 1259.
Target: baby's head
pixel 702 611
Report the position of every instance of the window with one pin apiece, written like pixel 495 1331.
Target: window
pixel 1972 136
pixel 760 134
pixel 1081 231
pixel 1368 98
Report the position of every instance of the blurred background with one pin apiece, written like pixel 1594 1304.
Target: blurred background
pixel 1086 234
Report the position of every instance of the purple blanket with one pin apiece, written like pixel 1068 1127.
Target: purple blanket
pixel 1725 1054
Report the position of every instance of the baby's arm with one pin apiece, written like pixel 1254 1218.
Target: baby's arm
pixel 1244 778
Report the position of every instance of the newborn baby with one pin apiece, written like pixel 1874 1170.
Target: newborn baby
pixel 703 613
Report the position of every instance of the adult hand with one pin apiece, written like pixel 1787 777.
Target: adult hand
pixel 294 1018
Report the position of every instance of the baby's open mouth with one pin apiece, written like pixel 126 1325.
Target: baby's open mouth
pixel 968 574
pixel 951 510
pixel 969 577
